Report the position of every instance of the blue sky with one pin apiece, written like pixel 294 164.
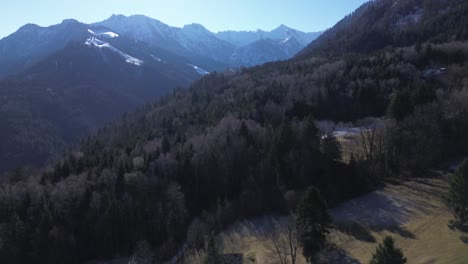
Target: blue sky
pixel 216 15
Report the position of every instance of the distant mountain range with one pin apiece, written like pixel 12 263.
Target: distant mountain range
pixel 208 50
pixel 212 50
pixel 243 38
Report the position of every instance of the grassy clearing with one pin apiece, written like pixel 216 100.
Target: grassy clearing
pixel 250 237
pixel 413 212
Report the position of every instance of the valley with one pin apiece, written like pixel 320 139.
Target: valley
pixel 72 81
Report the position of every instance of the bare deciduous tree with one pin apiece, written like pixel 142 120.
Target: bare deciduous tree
pixel 283 244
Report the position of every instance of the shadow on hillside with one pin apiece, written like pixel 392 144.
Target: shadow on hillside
pixel 464 239
pixel 363 233
pixel 396 230
pixel 373 209
pixel 354 229
pixel 377 211
pixel 335 254
pixel 346 259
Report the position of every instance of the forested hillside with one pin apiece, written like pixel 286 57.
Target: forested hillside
pixel 242 144
pixel 76 90
pixel 397 23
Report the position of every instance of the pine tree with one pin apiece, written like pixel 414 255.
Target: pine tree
pixel 244 132
pixel 399 106
pixel 331 148
pixel 312 133
pixel 458 196
pixel 120 182
pixel 313 223
pixel 284 137
pixel 387 253
pixel 165 145
pixel 16 237
pixel 211 256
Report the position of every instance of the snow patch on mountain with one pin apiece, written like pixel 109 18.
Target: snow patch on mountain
pixel 106 34
pixel 199 70
pixel 157 59
pixel 285 40
pixel 95 42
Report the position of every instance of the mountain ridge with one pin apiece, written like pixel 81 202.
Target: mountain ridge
pixel 279 32
pixel 31 43
pixel 392 23
pixel 212 45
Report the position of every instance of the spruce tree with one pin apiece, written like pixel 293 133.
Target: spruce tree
pixel 399 106
pixel 387 253
pixel 165 145
pixel 211 256
pixel 331 148
pixel 458 196
pixel 312 133
pixel 313 223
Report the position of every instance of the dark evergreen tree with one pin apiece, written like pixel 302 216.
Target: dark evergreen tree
pixel 399 106
pixel 120 182
pixel 211 252
pixel 16 236
pixel 388 253
pixel 165 145
pixel 244 132
pixel 284 137
pixel 313 223
pixel 312 133
pixel 458 196
pixel 331 148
